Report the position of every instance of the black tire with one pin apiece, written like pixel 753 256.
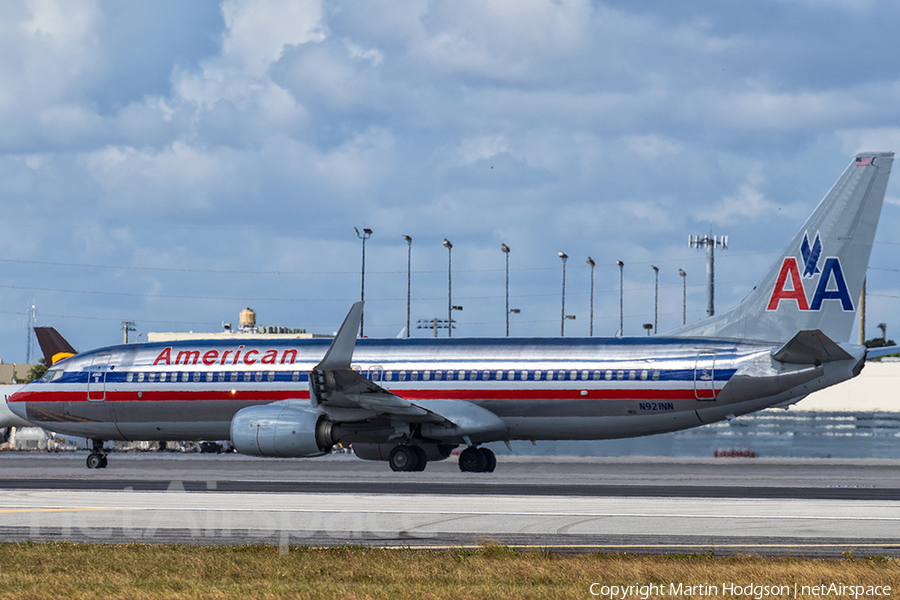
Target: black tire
pixel 403 458
pixel 472 460
pixel 95 461
pixel 490 460
pixel 421 458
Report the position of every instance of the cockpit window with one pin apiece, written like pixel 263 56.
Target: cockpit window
pixel 52 375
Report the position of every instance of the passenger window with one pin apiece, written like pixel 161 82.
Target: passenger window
pixel 271 376
pixel 257 376
pixel 473 375
pixel 655 375
pixel 426 375
pixel 620 375
pixel 209 377
pixel 511 375
pixel 486 376
pixel 196 377
pixel 438 375
pixel 234 376
pixel 414 375
pixel 498 375
pixel 608 375
pixel 402 375
pixel 295 376
pixel 129 377
pixel 644 375
pixel 185 377
pixel 247 376
pixel 631 375
pixel 596 376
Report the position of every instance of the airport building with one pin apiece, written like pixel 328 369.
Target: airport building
pixel 246 328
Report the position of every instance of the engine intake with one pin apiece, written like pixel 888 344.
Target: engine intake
pixel 284 431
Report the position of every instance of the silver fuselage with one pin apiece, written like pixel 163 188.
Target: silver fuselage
pixel 541 388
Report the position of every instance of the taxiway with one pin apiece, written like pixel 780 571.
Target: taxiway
pixel 765 506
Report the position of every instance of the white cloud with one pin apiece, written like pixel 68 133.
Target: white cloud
pixel 258 30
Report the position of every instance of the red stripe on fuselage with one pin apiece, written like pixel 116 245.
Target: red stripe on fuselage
pixel 276 395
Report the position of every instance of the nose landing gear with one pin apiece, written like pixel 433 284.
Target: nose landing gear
pixel 477 460
pixel 97 458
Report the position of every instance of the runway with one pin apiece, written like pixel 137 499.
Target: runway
pixel 764 506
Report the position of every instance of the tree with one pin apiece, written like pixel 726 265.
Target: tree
pixel 36 372
pixel 881 343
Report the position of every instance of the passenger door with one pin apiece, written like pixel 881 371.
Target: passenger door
pixel 705 375
pixel 96 387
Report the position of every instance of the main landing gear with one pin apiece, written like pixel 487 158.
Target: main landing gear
pixel 408 458
pixel 97 458
pixel 477 460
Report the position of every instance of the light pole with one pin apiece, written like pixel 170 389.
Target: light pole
pixel 505 249
pixel 655 297
pixel 591 262
pixel 683 296
pixel 562 320
pixel 621 298
pixel 449 248
pixel 408 278
pixel 366 234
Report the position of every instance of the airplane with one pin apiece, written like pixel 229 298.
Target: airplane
pixel 411 401
pixel 8 420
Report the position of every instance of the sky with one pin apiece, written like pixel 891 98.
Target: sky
pixel 171 163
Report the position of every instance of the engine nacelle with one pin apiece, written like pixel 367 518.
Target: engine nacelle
pixel 433 452
pixel 283 431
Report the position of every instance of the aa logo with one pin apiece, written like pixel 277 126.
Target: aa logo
pixel 831 286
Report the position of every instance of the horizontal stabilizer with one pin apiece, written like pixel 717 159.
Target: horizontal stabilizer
pixel 810 348
pixel 883 351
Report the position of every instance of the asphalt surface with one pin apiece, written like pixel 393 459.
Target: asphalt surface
pixel 818 507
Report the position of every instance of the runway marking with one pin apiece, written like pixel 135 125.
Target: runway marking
pixel 460 514
pixel 55 510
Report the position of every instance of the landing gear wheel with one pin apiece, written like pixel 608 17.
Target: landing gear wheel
pixel 404 458
pixel 421 457
pixel 95 460
pixel 472 460
pixel 490 460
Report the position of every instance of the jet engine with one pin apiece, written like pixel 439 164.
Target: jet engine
pixel 383 451
pixel 278 430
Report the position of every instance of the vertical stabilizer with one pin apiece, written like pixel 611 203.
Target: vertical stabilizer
pixel 816 281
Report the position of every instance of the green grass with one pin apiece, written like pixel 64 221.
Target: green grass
pixel 135 571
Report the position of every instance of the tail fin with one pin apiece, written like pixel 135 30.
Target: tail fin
pixel 53 345
pixel 816 281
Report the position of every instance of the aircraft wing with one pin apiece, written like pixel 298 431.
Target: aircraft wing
pixel 333 383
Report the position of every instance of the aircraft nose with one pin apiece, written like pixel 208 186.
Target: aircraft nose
pixel 17 403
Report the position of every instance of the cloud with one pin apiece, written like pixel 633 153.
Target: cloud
pixel 258 30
